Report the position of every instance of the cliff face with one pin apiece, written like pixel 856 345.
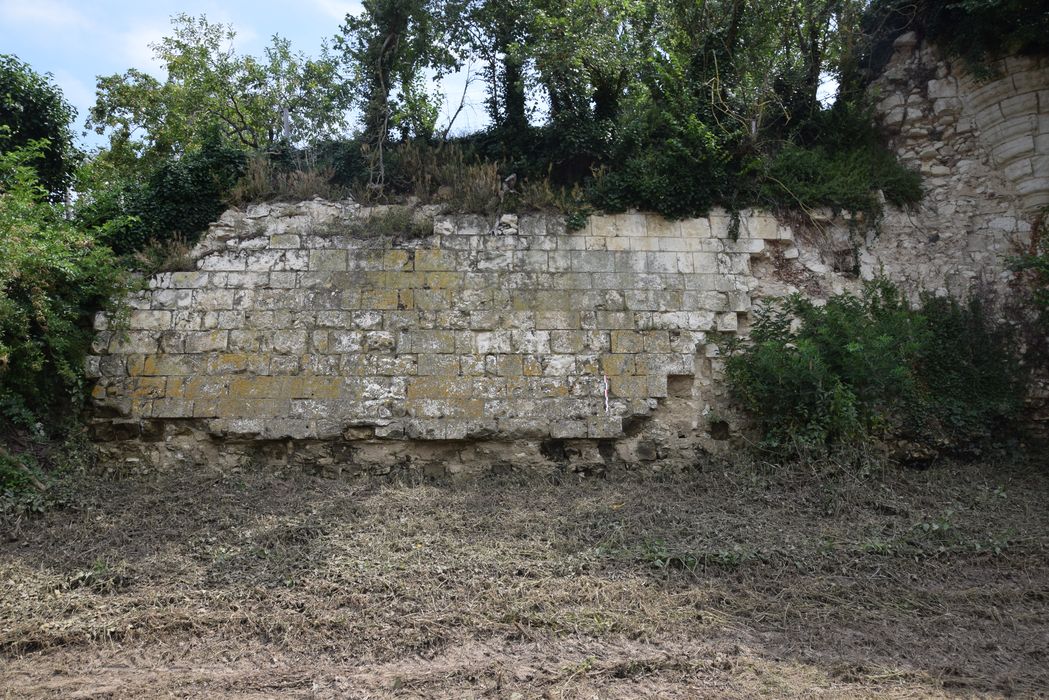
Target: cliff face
pixel 515 343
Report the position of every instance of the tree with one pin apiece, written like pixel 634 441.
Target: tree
pixel 53 276
pixel 33 109
pixel 256 103
pixel 388 48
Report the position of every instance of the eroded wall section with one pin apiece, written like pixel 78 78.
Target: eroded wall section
pixel 515 333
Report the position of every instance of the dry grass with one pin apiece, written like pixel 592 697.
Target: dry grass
pixel 262 182
pixel 727 582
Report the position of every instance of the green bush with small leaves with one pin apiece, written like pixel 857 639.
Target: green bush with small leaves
pixel 860 369
pixel 53 277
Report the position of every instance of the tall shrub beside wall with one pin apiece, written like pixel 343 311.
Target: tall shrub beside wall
pixel 53 276
pixel 861 369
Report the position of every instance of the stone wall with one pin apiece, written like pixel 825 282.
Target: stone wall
pixel 291 328
pixel 300 339
pixel 982 147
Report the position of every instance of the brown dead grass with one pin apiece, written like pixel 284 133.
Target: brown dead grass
pixel 732 581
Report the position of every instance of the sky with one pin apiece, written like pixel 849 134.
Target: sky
pixel 77 41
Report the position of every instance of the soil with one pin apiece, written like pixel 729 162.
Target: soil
pixel 734 580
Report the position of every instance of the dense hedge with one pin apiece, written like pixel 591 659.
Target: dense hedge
pixel 944 375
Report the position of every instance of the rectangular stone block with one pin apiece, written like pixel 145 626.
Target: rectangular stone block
pixel 627 342
pixel 247 280
pixel 285 241
pixel 206 341
pixel 696 228
pixel 221 262
pixel 213 299
pixel 195 388
pixel 529 342
pixel 436 387
pixel 438 365
pixel 433 341
pixel 314 387
pixel 383 299
pixel 247 387
pixel 172 298
pixel 435 260
pixel 398 260
pixel 432 299
pixel 604 427
pixel 568 429
pixel 342 341
pixel 617 364
pixel 656 341
pixel 289 342
pixel 392 365
pixel 379 341
pixel 567 341
pixel 659 227
pixel 504 365
pixel 139 342
pixel 612 320
pixel 172 408
pixel 149 320
pixel 593 261
pixel 188 280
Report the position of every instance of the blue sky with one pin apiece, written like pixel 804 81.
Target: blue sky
pixel 77 41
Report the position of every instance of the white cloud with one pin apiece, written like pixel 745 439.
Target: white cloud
pixel 134 44
pixel 76 91
pixel 44 14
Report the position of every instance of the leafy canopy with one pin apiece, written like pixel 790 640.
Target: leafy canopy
pixel 33 110
pixel 255 102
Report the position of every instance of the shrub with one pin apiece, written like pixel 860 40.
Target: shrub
pixel 177 200
pixel 52 279
pixel 943 375
pixel 670 161
pixel 264 181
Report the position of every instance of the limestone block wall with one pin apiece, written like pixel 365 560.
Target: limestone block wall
pixel 298 338
pixel 982 147
pixel 293 329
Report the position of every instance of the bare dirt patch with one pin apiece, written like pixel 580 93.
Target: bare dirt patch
pixel 730 581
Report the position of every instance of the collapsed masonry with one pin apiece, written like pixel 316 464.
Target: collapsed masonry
pixel 515 343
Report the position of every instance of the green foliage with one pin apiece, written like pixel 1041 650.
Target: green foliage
pixel 672 162
pixel 52 278
pixel 254 102
pixel 842 179
pixel 173 201
pixel 1033 267
pixel 32 109
pixel 862 369
pixel 977 31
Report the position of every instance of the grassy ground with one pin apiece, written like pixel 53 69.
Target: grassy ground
pixel 731 581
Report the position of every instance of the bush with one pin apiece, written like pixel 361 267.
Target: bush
pixel 670 161
pixel 265 181
pixel 862 369
pixel 52 279
pixel 177 200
